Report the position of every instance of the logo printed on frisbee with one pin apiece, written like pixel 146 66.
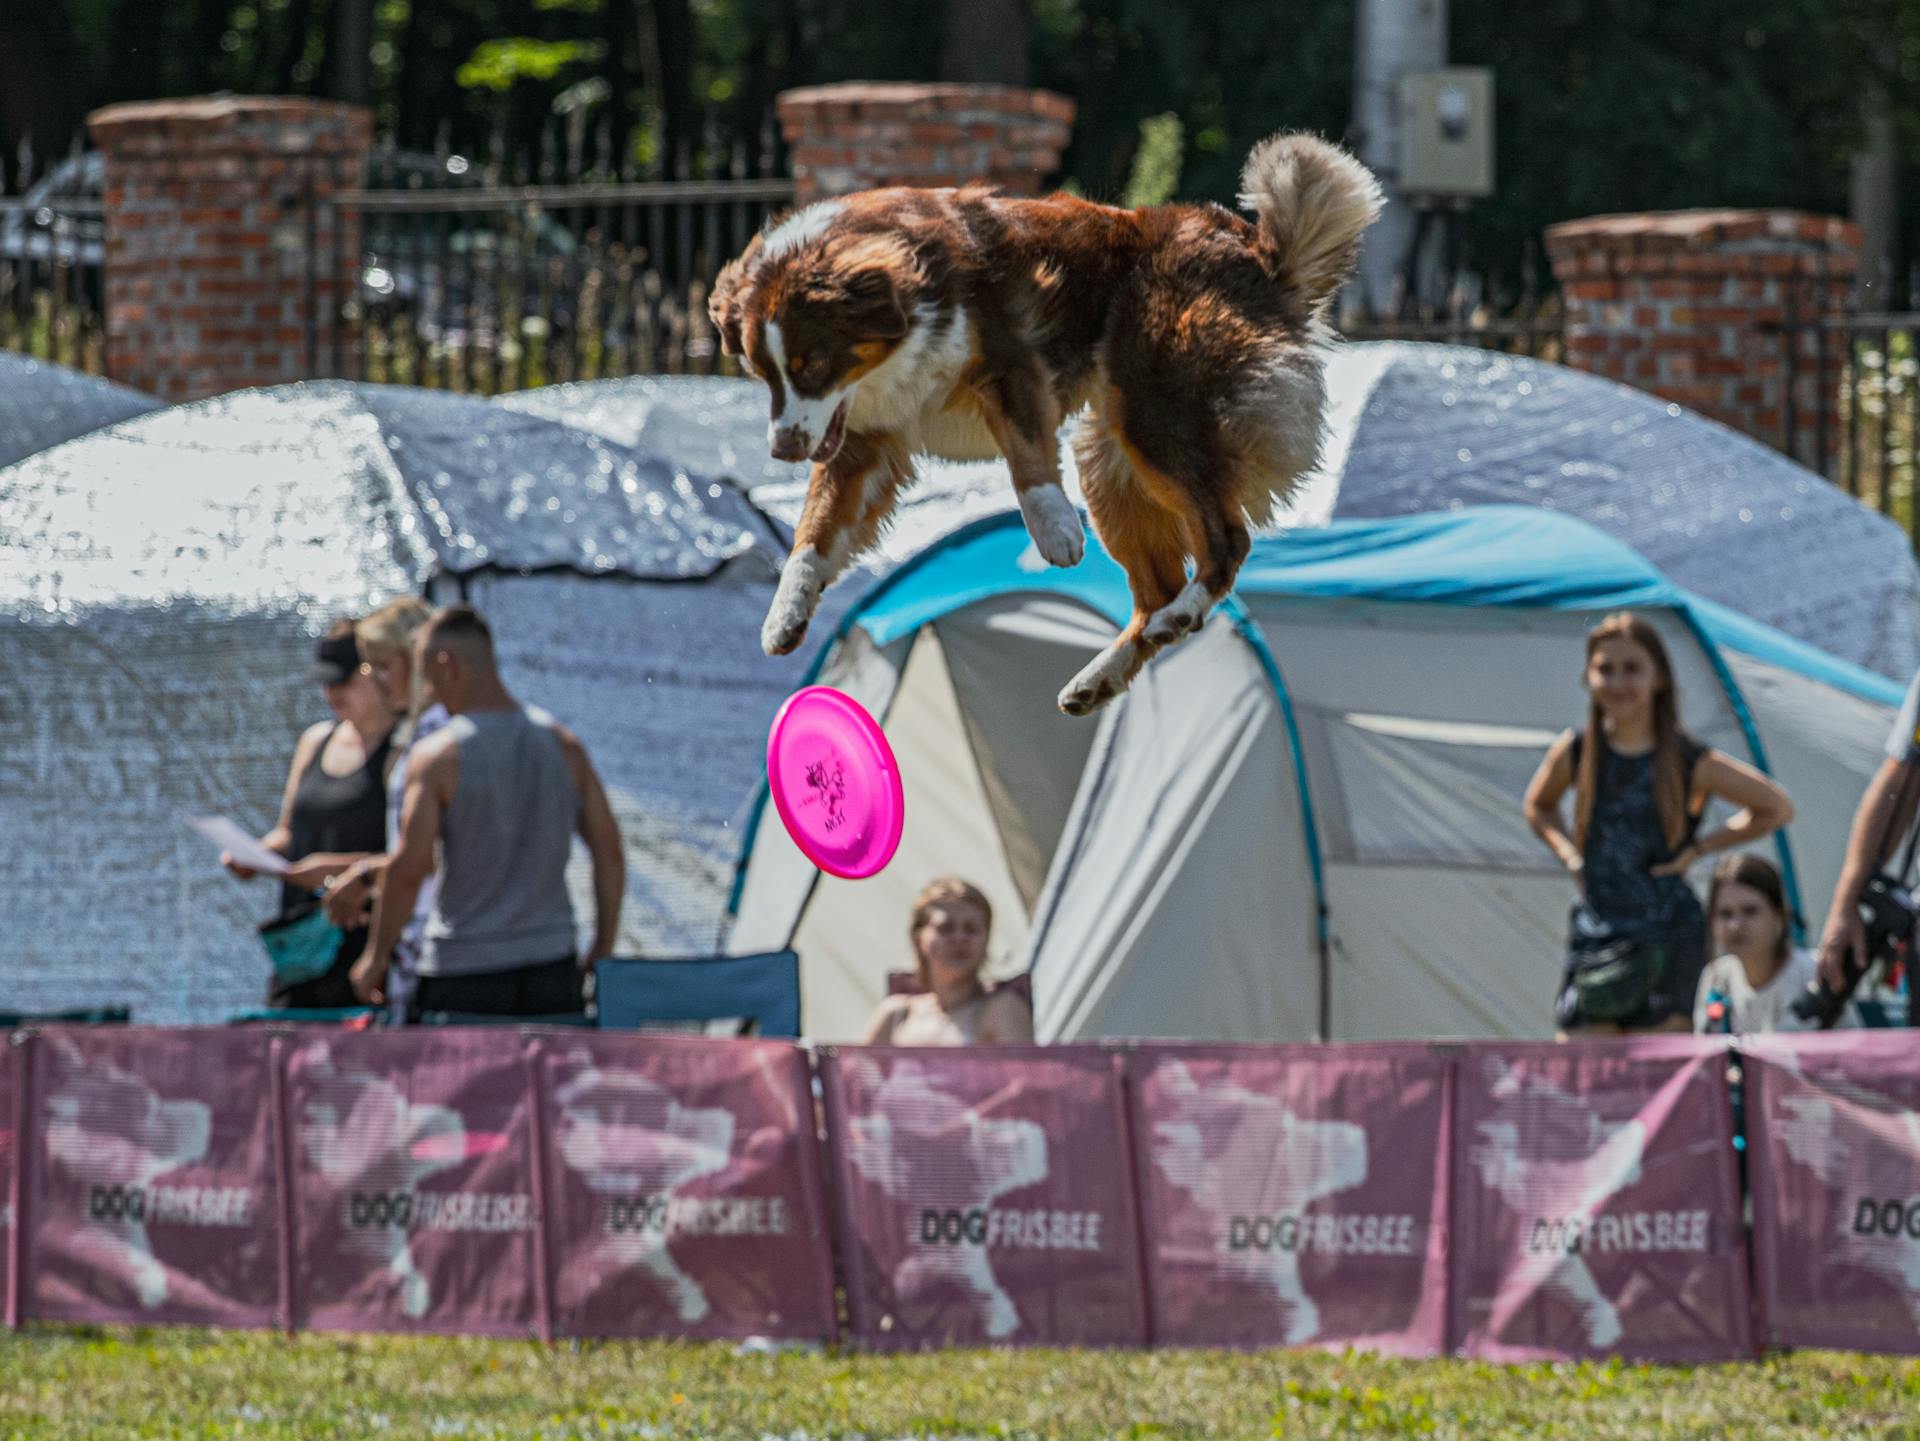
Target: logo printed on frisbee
pixel 835 783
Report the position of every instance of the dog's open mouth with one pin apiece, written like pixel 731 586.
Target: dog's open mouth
pixel 836 432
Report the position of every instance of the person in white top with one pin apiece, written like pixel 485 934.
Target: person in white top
pixel 951 921
pixel 1758 972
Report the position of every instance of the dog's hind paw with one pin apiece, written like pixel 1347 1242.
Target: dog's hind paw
pixel 1103 678
pixel 1183 616
pixel 1054 525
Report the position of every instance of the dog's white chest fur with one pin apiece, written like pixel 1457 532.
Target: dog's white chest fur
pixel 904 395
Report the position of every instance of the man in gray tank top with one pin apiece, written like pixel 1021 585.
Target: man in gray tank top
pixel 499 792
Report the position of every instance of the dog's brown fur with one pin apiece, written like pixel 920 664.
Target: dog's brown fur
pixel 958 323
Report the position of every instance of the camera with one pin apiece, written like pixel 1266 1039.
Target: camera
pixel 1887 912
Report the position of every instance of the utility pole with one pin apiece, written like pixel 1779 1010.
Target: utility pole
pixel 353 50
pixel 1875 204
pixel 1391 37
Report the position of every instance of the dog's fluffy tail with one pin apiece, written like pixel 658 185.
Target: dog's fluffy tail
pixel 1312 200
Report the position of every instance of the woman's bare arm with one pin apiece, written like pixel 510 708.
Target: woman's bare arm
pixel 1550 782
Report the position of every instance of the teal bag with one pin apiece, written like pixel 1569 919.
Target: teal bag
pixel 302 949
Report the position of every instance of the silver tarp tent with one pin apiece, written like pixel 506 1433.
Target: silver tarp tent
pixel 718 426
pixel 1415 428
pixel 43 404
pixel 161 583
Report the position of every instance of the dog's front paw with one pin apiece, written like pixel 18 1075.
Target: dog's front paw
pixel 1054 525
pixel 794 601
pixel 781 633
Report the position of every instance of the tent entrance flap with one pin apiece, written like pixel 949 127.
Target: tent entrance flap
pixel 1184 902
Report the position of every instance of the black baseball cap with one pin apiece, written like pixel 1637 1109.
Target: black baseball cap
pixel 335 659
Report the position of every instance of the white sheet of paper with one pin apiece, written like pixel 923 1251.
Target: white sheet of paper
pixel 227 835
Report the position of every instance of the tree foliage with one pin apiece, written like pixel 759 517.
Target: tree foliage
pixel 1628 105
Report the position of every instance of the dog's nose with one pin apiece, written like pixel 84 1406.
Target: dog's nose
pixel 789 442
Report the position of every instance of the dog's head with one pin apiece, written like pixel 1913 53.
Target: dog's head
pixel 812 310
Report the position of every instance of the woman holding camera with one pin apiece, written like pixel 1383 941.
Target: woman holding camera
pixel 1638 938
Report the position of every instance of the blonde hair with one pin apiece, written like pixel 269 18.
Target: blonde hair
pixel 1670 781
pixel 390 630
pixel 393 627
pixel 945 891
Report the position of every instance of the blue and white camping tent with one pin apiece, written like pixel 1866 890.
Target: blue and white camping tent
pixel 1304 821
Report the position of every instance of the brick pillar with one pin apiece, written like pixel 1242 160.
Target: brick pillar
pixel 862 135
pixel 225 268
pixel 1687 304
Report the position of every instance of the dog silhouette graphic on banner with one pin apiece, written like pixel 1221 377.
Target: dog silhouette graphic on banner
pixel 1862 1156
pixel 115 1135
pixel 926 1148
pixel 359 1130
pixel 1235 1151
pixel 1549 1153
pixel 628 1138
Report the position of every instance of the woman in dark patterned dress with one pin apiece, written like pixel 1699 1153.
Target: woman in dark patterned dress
pixel 1638 937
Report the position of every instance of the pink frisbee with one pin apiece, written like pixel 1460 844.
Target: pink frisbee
pixel 835 783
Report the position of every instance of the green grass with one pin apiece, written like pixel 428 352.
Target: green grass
pixel 60 1384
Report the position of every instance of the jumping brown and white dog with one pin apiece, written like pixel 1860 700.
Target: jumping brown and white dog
pixel 962 324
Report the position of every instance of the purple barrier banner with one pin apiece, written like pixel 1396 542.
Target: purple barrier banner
pixel 411 1161
pixel 8 1054
pixel 1833 1123
pixel 1596 1202
pixel 149 1191
pixel 686 1190
pixel 985 1197
pixel 1294 1195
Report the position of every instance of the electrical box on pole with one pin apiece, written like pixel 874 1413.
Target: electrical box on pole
pixel 1446 133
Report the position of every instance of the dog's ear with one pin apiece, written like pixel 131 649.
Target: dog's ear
pixel 729 290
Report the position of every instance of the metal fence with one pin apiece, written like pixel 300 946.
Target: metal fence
pixel 501 288
pixel 52 263
pixel 1866 441
pixel 1536 332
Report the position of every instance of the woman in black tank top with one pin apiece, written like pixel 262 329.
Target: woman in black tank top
pixel 1640 786
pixel 334 806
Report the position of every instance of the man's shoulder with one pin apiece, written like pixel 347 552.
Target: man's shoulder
pixel 571 746
pixel 435 752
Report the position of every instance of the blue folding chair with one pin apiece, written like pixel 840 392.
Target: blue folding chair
pixel 81 1016
pixel 763 989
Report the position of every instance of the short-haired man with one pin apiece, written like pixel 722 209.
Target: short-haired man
pixel 499 792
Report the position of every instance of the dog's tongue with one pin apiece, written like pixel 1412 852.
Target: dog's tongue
pixel 836 427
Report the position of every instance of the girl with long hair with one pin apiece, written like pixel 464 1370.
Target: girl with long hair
pixel 1638 938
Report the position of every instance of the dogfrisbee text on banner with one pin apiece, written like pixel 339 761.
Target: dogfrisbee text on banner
pixel 1294 1195
pixel 1597 1203
pixel 412 1161
pixel 1834 1126
pixel 985 1197
pixel 150 1178
pixel 687 1196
